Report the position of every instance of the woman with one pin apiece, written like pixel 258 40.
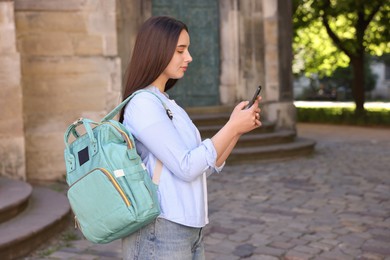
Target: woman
pixel 160 58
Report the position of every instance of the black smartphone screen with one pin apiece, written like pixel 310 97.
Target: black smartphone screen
pixel 257 92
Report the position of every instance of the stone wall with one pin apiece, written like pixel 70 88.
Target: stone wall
pixel 60 60
pixel 12 146
pixel 70 68
pixel 130 15
pixel 251 45
pixel 242 51
pixel 278 104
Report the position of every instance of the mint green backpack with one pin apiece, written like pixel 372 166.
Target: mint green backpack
pixel 110 190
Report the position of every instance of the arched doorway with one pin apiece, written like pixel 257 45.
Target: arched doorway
pixel 200 86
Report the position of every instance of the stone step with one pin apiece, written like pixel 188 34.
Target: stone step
pixel 14 198
pixel 263 143
pixel 213 119
pixel 210 130
pixel 263 139
pixel 300 147
pixel 210 119
pixel 47 213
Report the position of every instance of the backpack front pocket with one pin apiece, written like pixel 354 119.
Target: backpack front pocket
pixel 97 199
pixel 142 198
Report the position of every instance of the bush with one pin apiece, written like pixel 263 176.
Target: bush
pixel 344 115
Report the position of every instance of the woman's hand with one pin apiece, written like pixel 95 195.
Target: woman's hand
pixel 245 120
pixel 241 121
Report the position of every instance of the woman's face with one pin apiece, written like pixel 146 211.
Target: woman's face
pixel 181 58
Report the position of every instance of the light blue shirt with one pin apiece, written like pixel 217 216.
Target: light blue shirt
pixel 187 161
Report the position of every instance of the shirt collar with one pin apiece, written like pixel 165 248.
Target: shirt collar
pixel 157 90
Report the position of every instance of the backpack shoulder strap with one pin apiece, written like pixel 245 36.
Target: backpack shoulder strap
pixel 118 108
pixel 158 168
pixel 157 172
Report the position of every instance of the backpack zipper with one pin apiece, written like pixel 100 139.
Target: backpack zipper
pixel 125 136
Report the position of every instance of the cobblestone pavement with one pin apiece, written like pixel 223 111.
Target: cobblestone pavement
pixel 334 204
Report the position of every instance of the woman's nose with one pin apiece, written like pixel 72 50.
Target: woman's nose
pixel 188 57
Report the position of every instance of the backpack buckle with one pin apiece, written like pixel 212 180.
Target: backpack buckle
pixel 169 113
pixel 78 121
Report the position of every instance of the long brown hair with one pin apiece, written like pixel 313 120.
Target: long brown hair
pixel 153 50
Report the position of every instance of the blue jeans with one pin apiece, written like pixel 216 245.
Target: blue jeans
pixel 164 240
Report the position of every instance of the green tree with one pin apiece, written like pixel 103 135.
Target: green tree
pixel 334 33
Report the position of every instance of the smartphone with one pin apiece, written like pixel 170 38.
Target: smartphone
pixel 257 93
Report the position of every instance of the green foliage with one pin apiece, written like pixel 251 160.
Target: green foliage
pixel 314 52
pixel 328 33
pixel 344 115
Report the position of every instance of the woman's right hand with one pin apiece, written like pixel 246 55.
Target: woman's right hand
pixel 245 120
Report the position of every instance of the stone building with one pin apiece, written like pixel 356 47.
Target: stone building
pixel 60 60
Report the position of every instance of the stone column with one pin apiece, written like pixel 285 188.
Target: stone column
pixel 251 45
pixel 12 143
pixel 70 68
pixel 278 100
pixel 229 53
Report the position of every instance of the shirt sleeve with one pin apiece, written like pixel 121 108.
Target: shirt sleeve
pixel 215 169
pixel 147 120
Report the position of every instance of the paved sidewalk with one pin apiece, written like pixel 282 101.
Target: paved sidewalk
pixel 334 204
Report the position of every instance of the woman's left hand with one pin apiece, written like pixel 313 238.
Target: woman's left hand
pixel 245 120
